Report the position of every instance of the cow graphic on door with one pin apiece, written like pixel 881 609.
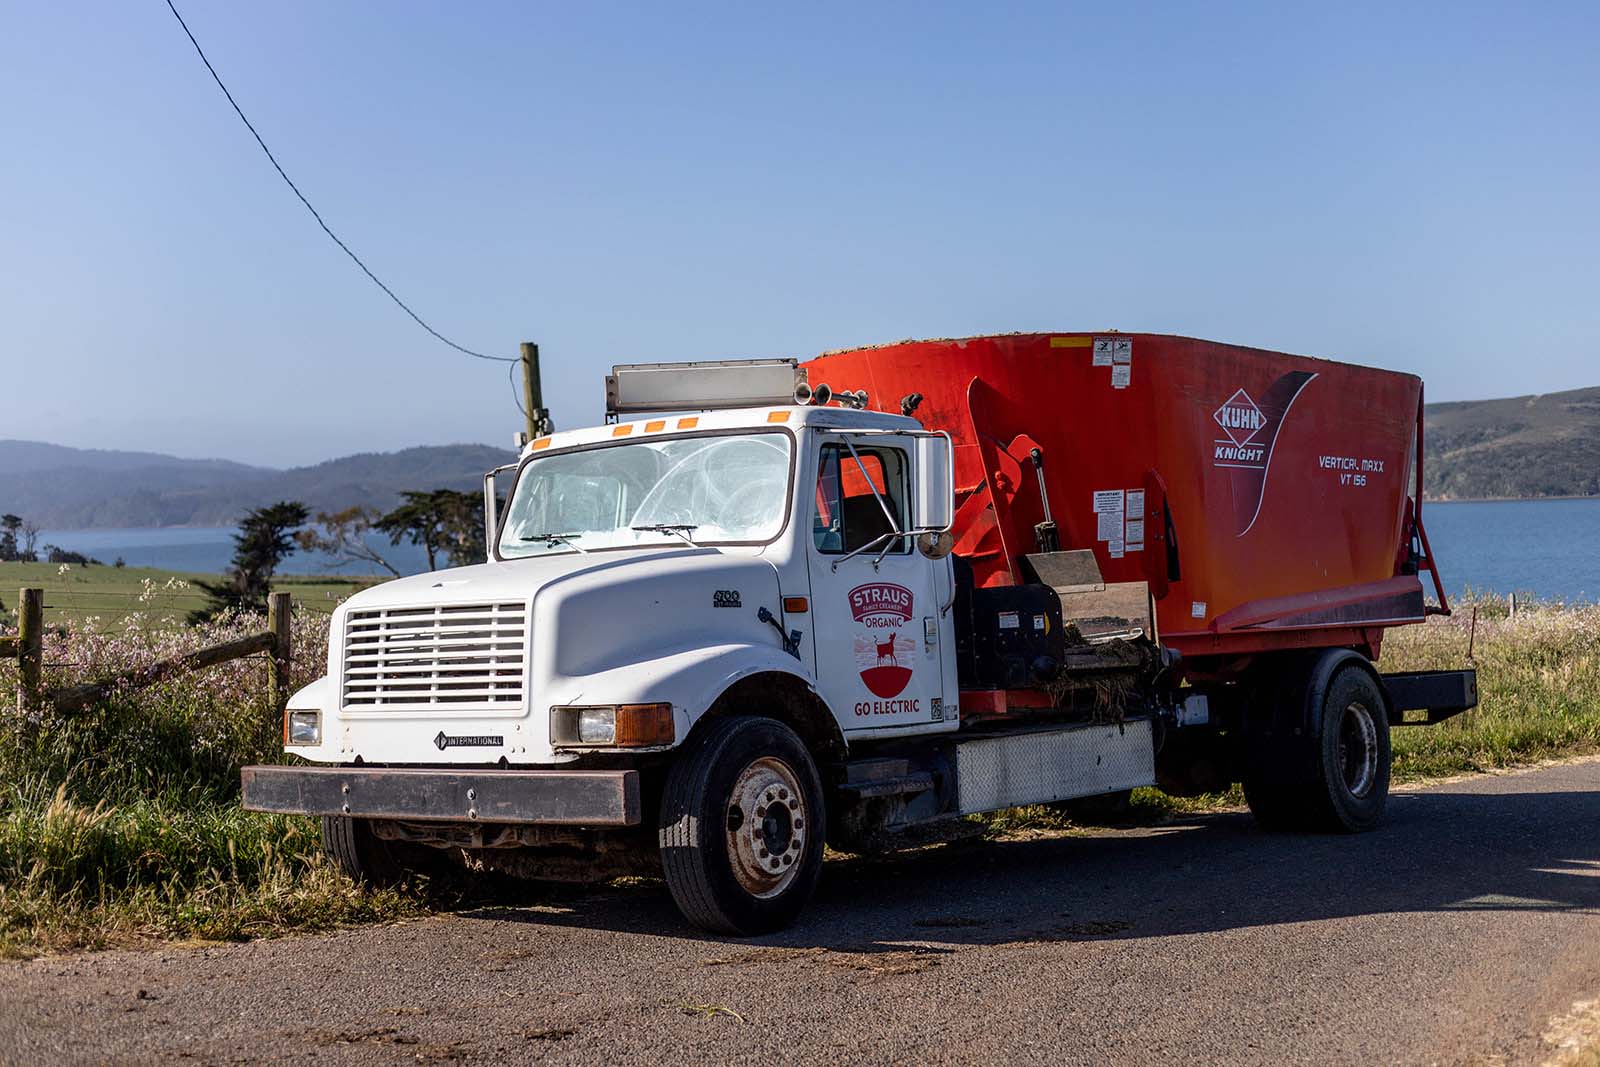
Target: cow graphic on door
pixel 880 609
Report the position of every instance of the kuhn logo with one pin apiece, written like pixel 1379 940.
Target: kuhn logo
pixel 880 600
pixel 1239 418
pixel 1250 431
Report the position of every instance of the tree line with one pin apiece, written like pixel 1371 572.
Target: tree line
pixel 445 523
pixel 19 543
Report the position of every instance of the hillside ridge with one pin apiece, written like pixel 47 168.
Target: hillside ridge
pixel 56 487
pixel 1539 445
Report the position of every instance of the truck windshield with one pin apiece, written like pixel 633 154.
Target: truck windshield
pixel 716 489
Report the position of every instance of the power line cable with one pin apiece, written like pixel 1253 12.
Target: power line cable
pixel 314 214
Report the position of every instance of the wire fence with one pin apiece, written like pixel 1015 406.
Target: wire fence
pixel 143 652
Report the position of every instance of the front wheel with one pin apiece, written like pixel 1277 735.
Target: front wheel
pixel 742 827
pixel 369 859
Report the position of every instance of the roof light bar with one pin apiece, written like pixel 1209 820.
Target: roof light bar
pixel 639 388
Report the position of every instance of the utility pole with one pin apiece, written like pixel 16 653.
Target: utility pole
pixel 539 422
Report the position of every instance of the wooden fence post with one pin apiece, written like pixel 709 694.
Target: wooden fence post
pixel 30 647
pixel 278 614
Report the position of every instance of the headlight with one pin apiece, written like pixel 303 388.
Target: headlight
pixel 613 725
pixel 596 726
pixel 303 728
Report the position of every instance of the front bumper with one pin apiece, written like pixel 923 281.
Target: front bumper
pixel 542 797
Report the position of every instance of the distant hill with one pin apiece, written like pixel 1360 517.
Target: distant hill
pixel 1523 446
pixel 72 488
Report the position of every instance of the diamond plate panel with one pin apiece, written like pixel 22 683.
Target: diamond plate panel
pixel 1037 768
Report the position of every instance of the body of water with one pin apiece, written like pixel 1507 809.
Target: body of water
pixel 1550 548
pixel 209 550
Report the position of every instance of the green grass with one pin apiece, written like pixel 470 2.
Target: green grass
pixel 1538 686
pixel 121 824
pixel 159 596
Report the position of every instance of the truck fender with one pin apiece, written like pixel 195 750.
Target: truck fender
pixel 321 695
pixel 697 681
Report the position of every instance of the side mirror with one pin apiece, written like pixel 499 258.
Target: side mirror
pixel 491 517
pixel 934 499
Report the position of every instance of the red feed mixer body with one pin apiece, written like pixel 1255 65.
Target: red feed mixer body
pixel 1271 501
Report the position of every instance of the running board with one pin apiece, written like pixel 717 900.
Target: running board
pixel 1049 764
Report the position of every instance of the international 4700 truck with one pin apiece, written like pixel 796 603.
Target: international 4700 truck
pixel 769 605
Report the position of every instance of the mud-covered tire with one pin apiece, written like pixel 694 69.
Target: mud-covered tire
pixel 1336 780
pixel 369 859
pixel 742 827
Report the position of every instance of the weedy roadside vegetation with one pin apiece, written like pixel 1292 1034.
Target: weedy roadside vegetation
pixel 1538 686
pixel 120 823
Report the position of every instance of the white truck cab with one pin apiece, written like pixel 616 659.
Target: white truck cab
pixel 666 597
pixel 650 566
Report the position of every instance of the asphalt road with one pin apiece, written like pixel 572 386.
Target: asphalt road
pixel 1458 933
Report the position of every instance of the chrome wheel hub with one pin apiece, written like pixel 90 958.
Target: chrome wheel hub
pixel 1358 749
pixel 767 827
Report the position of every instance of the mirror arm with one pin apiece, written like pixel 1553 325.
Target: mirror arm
pixel 868 547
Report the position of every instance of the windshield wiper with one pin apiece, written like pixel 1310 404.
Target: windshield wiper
pixel 680 529
pixel 565 540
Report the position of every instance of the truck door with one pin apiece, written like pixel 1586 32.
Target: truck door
pixel 875 603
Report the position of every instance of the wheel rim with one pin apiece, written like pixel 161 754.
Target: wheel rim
pixel 767 827
pixel 1358 749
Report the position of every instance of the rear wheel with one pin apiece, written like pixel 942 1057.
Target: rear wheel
pixel 742 827
pixel 1336 780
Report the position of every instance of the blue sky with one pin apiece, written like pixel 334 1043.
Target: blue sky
pixel 1416 188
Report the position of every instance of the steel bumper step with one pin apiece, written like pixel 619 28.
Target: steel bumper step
pixel 548 797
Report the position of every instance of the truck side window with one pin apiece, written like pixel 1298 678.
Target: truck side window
pixel 848 516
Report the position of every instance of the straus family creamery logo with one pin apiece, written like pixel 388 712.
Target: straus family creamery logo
pixel 880 609
pixel 1249 431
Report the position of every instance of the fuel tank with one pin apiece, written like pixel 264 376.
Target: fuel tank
pixel 1268 500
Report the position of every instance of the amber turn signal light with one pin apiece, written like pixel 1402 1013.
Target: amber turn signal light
pixel 795 605
pixel 639 725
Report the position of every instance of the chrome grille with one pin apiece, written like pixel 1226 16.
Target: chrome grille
pixel 447 657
